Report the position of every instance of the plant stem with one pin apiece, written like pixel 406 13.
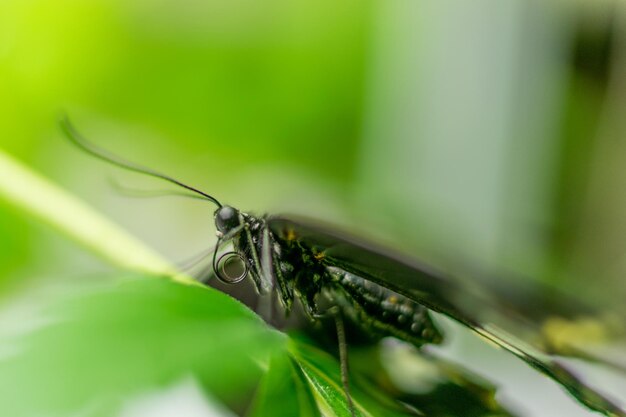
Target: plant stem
pixel 27 190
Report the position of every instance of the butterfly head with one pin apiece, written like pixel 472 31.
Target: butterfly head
pixel 227 219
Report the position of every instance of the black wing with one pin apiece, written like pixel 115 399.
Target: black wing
pixel 482 309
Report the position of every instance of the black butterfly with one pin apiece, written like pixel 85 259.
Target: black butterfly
pixel 379 290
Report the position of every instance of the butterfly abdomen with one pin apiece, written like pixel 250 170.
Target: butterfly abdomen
pixel 382 311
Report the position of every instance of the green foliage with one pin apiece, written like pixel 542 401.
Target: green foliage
pixel 284 384
pixel 322 373
pixel 102 346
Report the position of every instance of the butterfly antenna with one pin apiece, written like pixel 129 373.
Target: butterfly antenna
pixel 104 155
pixel 140 193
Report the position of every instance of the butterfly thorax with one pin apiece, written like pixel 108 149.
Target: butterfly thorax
pixel 293 269
pixel 306 273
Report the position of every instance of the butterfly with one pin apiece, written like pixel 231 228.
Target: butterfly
pixel 335 274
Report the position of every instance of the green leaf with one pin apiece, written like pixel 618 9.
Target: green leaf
pixel 101 347
pixel 284 392
pixel 322 371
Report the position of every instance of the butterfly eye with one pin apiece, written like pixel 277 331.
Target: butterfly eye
pixel 226 218
pixel 231 268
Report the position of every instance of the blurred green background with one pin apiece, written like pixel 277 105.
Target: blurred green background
pixel 486 136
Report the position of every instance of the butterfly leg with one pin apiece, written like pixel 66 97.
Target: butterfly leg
pixel 335 313
pixel 265 306
pixel 343 358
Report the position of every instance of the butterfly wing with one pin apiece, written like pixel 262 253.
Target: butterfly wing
pixel 478 307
